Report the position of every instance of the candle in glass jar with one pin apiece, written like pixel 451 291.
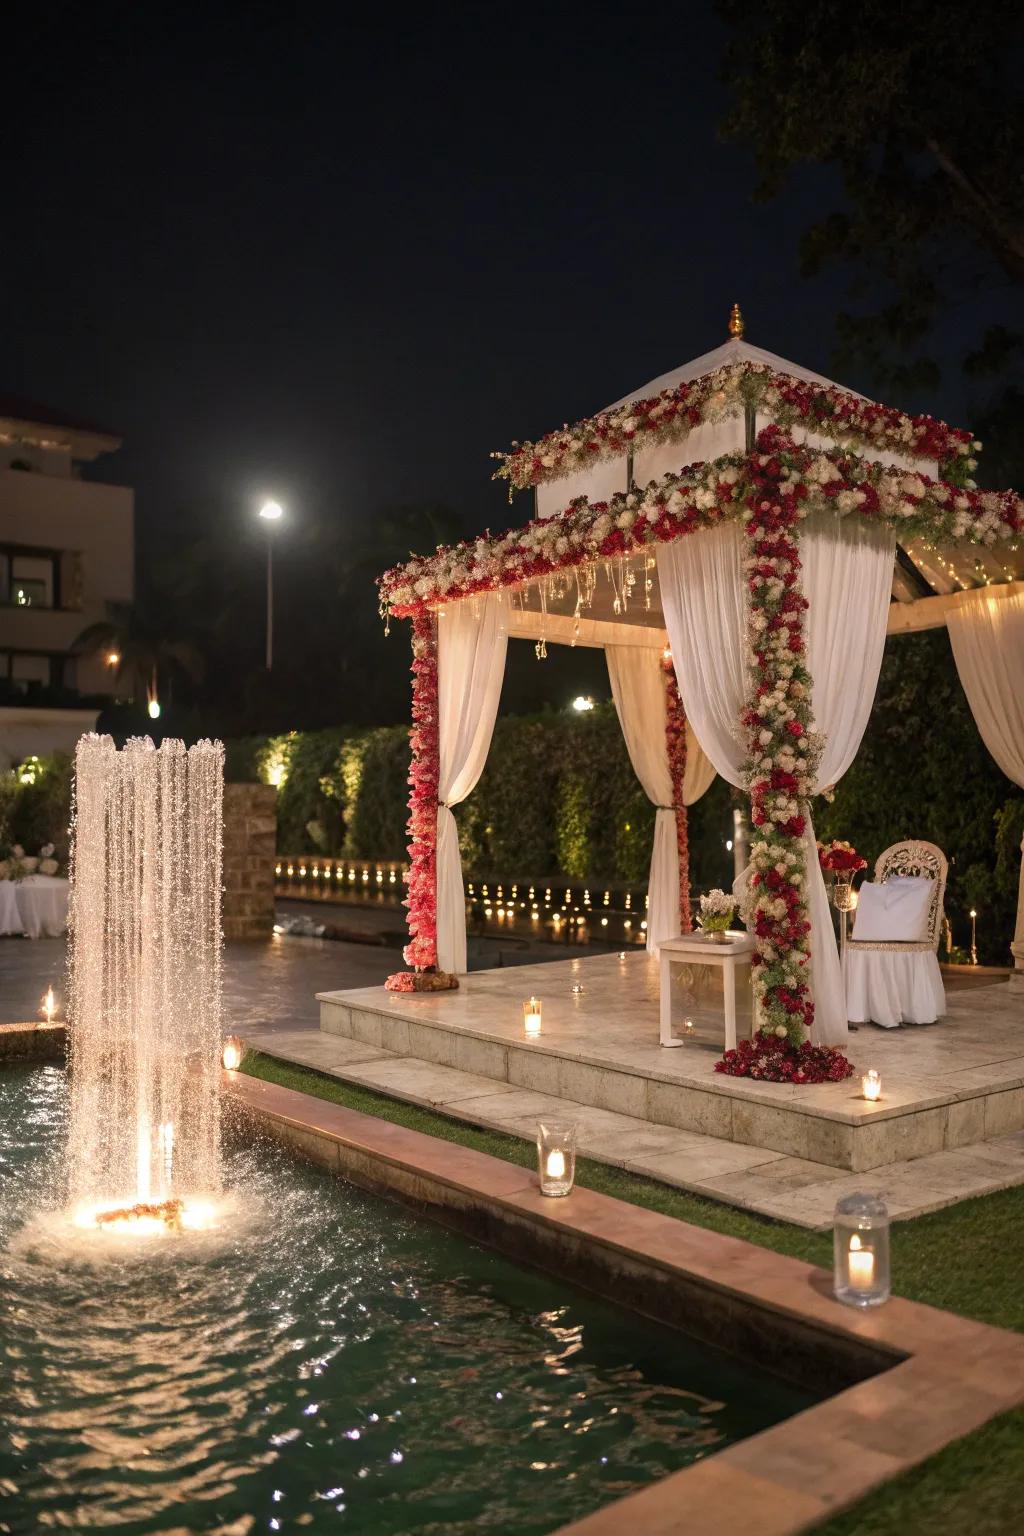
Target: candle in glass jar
pixel 532 1016
pixel 555 1166
pixel 871 1085
pixel 862 1265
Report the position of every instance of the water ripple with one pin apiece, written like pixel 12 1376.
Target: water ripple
pixel 323 1361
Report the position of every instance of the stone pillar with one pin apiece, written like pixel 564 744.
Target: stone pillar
pixel 250 847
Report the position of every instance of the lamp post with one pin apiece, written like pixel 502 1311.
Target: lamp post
pixel 271 512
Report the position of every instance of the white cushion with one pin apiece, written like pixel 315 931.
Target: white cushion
pixel 894 912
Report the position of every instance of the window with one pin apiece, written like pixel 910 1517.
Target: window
pixel 30 669
pixel 27 580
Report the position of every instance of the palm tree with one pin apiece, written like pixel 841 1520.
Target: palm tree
pixel 140 651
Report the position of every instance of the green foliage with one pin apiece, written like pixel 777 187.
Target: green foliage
pixel 558 797
pixel 372 780
pixel 36 813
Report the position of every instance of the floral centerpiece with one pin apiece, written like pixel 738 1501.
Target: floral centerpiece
pixel 841 861
pixel 839 858
pixel 18 864
pixel 717 911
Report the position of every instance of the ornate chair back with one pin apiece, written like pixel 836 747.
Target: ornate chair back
pixel 917 858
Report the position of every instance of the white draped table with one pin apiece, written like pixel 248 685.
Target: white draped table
pixel 42 906
pixel 10 918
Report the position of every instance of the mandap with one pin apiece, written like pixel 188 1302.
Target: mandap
pixel 739 536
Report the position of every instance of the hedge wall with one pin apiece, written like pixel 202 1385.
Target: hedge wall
pixel 558 797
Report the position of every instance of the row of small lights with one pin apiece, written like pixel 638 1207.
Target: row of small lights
pixel 501 907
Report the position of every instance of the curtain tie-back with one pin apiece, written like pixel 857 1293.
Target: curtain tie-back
pixel 666 807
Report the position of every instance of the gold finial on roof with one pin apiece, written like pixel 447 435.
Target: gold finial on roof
pixel 736 326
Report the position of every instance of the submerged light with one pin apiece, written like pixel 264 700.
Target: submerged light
pixel 231 1056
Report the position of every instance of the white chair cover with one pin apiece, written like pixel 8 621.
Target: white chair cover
pixel 472 638
pixel 891 987
pixel 42 906
pixel 847 579
pixel 638 688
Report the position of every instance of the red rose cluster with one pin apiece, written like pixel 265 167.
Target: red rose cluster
pixel 771 1059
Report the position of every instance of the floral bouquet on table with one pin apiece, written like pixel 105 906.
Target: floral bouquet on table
pixel 839 858
pixel 717 911
pixel 19 864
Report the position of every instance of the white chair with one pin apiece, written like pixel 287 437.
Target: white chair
pixel 898 981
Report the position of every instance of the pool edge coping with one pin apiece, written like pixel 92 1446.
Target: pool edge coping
pixel 940 1376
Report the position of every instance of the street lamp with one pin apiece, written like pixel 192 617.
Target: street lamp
pixel 271 512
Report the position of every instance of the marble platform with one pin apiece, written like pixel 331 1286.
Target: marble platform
pixel 945 1087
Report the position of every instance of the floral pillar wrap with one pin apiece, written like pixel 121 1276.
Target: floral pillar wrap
pixel 675 740
pixel 782 747
pixel 421 950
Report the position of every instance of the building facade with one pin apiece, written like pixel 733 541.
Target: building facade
pixel 66 553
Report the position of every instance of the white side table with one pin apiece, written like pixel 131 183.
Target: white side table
pixel 698 949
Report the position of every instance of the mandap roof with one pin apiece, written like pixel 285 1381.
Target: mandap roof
pixel 583 564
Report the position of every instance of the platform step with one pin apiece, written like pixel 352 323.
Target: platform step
pixel 752 1178
pixel 599 1049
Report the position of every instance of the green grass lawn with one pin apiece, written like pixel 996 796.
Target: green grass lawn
pixel 966 1259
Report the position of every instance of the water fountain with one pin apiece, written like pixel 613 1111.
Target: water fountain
pixel 145 983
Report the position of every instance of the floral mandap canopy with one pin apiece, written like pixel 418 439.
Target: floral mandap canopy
pixel 739 536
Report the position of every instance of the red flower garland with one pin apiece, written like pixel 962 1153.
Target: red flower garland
pixel 675 740
pixel 421 951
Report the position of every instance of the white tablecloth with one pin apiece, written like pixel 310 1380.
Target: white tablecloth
pixel 42 906
pixel 10 918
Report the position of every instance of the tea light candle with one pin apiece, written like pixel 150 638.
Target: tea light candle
pixel 531 1016
pixel 871 1085
pixel 49 1007
pixel 555 1165
pixel 862 1266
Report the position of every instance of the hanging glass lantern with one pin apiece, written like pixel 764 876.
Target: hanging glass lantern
pixel 861 1251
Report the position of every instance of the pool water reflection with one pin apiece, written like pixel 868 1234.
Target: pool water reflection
pixel 324 1361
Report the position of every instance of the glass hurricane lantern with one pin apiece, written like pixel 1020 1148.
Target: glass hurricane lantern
pixel 861 1251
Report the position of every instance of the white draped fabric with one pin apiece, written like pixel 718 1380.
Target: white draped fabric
pixel 472 638
pixel 847 578
pixel 10 917
pixel 986 630
pixel 638 688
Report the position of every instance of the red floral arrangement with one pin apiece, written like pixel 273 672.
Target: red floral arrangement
pixel 675 740
pixel 775 1059
pixel 839 858
pixel 421 951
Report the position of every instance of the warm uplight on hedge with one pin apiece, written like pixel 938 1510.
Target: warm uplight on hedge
pixel 231 1056
pixel 582 702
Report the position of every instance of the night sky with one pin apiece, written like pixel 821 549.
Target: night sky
pixel 339 263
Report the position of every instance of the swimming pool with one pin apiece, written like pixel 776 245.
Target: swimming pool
pixel 325 1361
